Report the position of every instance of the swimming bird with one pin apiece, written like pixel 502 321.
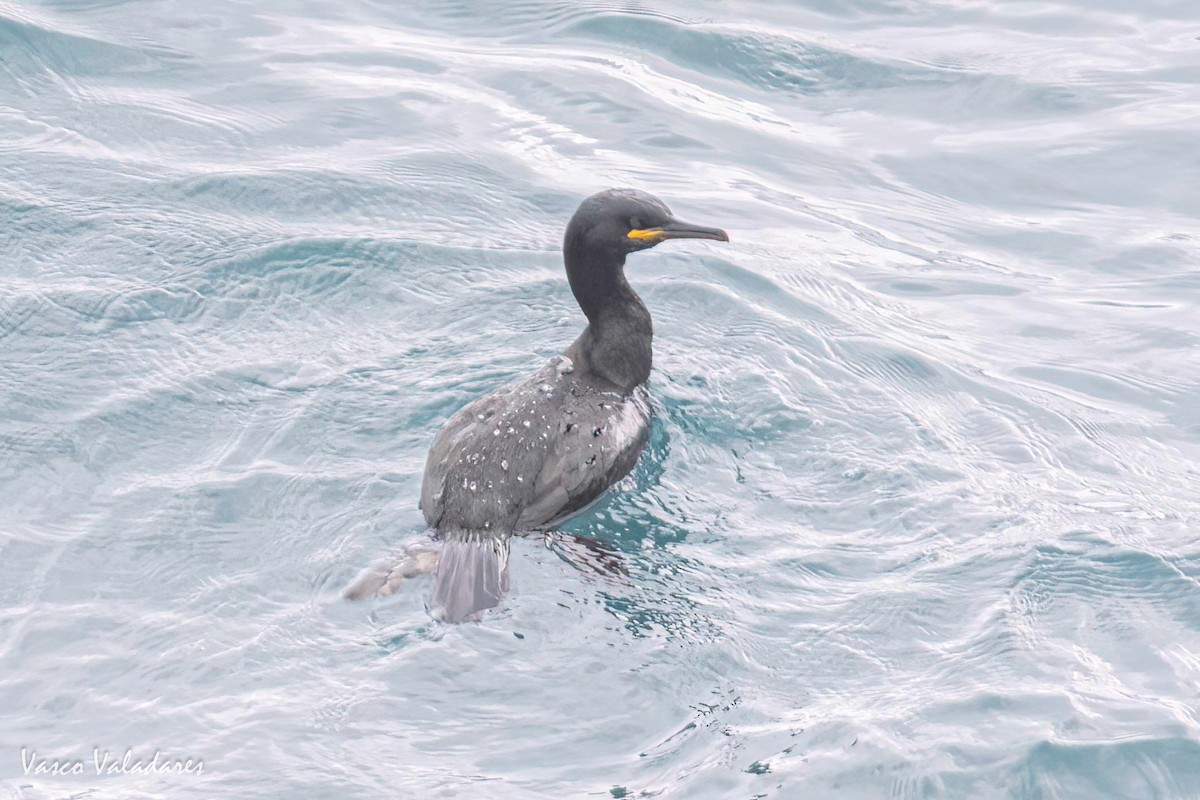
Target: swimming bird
pixel 532 454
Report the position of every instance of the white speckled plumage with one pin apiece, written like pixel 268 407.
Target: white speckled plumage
pixel 593 441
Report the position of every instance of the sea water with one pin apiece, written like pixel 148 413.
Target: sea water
pixel 919 515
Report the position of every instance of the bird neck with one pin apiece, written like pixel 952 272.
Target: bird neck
pixel 617 344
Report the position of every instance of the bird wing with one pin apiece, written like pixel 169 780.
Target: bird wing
pixel 593 455
pixel 467 426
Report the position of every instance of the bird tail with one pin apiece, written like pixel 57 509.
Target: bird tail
pixel 472 575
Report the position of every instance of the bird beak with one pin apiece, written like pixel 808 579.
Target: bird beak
pixel 678 230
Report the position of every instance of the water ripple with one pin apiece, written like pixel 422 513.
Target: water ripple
pixel 918 513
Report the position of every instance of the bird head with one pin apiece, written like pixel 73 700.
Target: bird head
pixel 622 221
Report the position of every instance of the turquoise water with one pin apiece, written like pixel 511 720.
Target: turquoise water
pixel 919 516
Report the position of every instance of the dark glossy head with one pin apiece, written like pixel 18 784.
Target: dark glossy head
pixel 622 221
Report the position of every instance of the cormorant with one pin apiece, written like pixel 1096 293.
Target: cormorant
pixel 532 454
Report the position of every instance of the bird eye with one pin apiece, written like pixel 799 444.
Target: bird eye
pixel 635 223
